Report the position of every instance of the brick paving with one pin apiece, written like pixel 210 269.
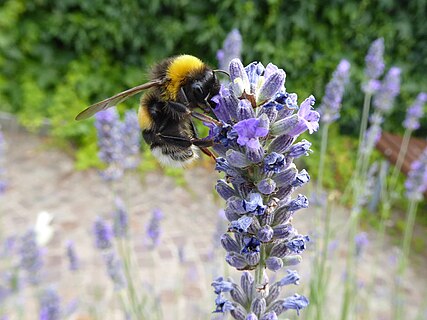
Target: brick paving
pixel 180 270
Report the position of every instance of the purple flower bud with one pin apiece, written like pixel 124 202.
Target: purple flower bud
pixel 266 186
pixel 245 110
pixel 296 302
pixel 274 263
pixel 270 69
pixel 254 71
pixel 269 316
pixel 255 155
pixel 287 176
pixel 374 59
pixel 239 78
pixel 220 285
pixel 299 149
pixel 236 159
pixel 238 313
pixel 229 244
pixel 292 260
pixel 302 178
pixel 298 244
pixel 265 234
pixel 223 165
pixel 270 110
pixel 292 278
pixel 247 282
pixel 251 316
pixel 241 225
pixel 286 126
pixel 226 105
pixel 415 112
pixel 131 139
pixel 224 190
pixel 238 295
pixel 272 85
pixel 236 260
pixel 371 86
pixel 258 306
pixel 252 258
pixel 281 144
pixel 283 231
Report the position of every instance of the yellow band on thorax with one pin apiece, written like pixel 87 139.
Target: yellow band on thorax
pixel 180 67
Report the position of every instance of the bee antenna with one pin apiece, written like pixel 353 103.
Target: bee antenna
pixel 221 71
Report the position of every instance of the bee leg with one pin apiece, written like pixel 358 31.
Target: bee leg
pixel 205 118
pixel 175 140
pixel 207 152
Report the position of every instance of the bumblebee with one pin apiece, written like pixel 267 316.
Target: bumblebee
pixel 177 86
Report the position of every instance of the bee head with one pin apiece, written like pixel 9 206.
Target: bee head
pixel 200 88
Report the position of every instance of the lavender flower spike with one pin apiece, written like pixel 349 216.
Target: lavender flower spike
pixel 257 149
pixel 153 228
pixel 103 234
pixel 232 48
pixel 414 113
pixel 416 183
pixel 110 142
pixel 331 103
pixel 131 140
pixel 390 88
pixel 72 256
pixel 375 59
pixel 31 257
pixel 50 308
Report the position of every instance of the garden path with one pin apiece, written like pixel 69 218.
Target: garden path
pixel 181 268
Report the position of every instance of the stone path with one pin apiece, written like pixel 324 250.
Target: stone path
pixel 181 269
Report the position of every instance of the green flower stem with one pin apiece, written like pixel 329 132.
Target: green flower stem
pixel 259 271
pixel 323 146
pixel 403 259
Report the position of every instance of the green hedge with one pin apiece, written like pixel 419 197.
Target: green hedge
pixel 56 57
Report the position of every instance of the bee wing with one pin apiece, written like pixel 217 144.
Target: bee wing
pixel 115 100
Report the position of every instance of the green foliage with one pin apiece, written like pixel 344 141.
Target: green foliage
pixel 56 57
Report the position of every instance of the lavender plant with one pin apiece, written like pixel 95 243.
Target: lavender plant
pixel 231 49
pixel 257 143
pixel 50 308
pixel 73 262
pixel 31 260
pixel 153 230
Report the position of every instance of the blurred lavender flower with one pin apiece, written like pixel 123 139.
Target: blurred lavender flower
pixel 73 263
pixel 153 229
pixel 120 219
pixel 115 270
pixel 2 161
pixel 374 65
pixel 415 112
pixel 110 143
pixel 50 308
pixel 30 257
pixel 361 241
pixel 103 234
pixel 331 102
pixel 256 143
pixel 232 48
pixel 390 88
pixel 416 183
pixel 131 138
